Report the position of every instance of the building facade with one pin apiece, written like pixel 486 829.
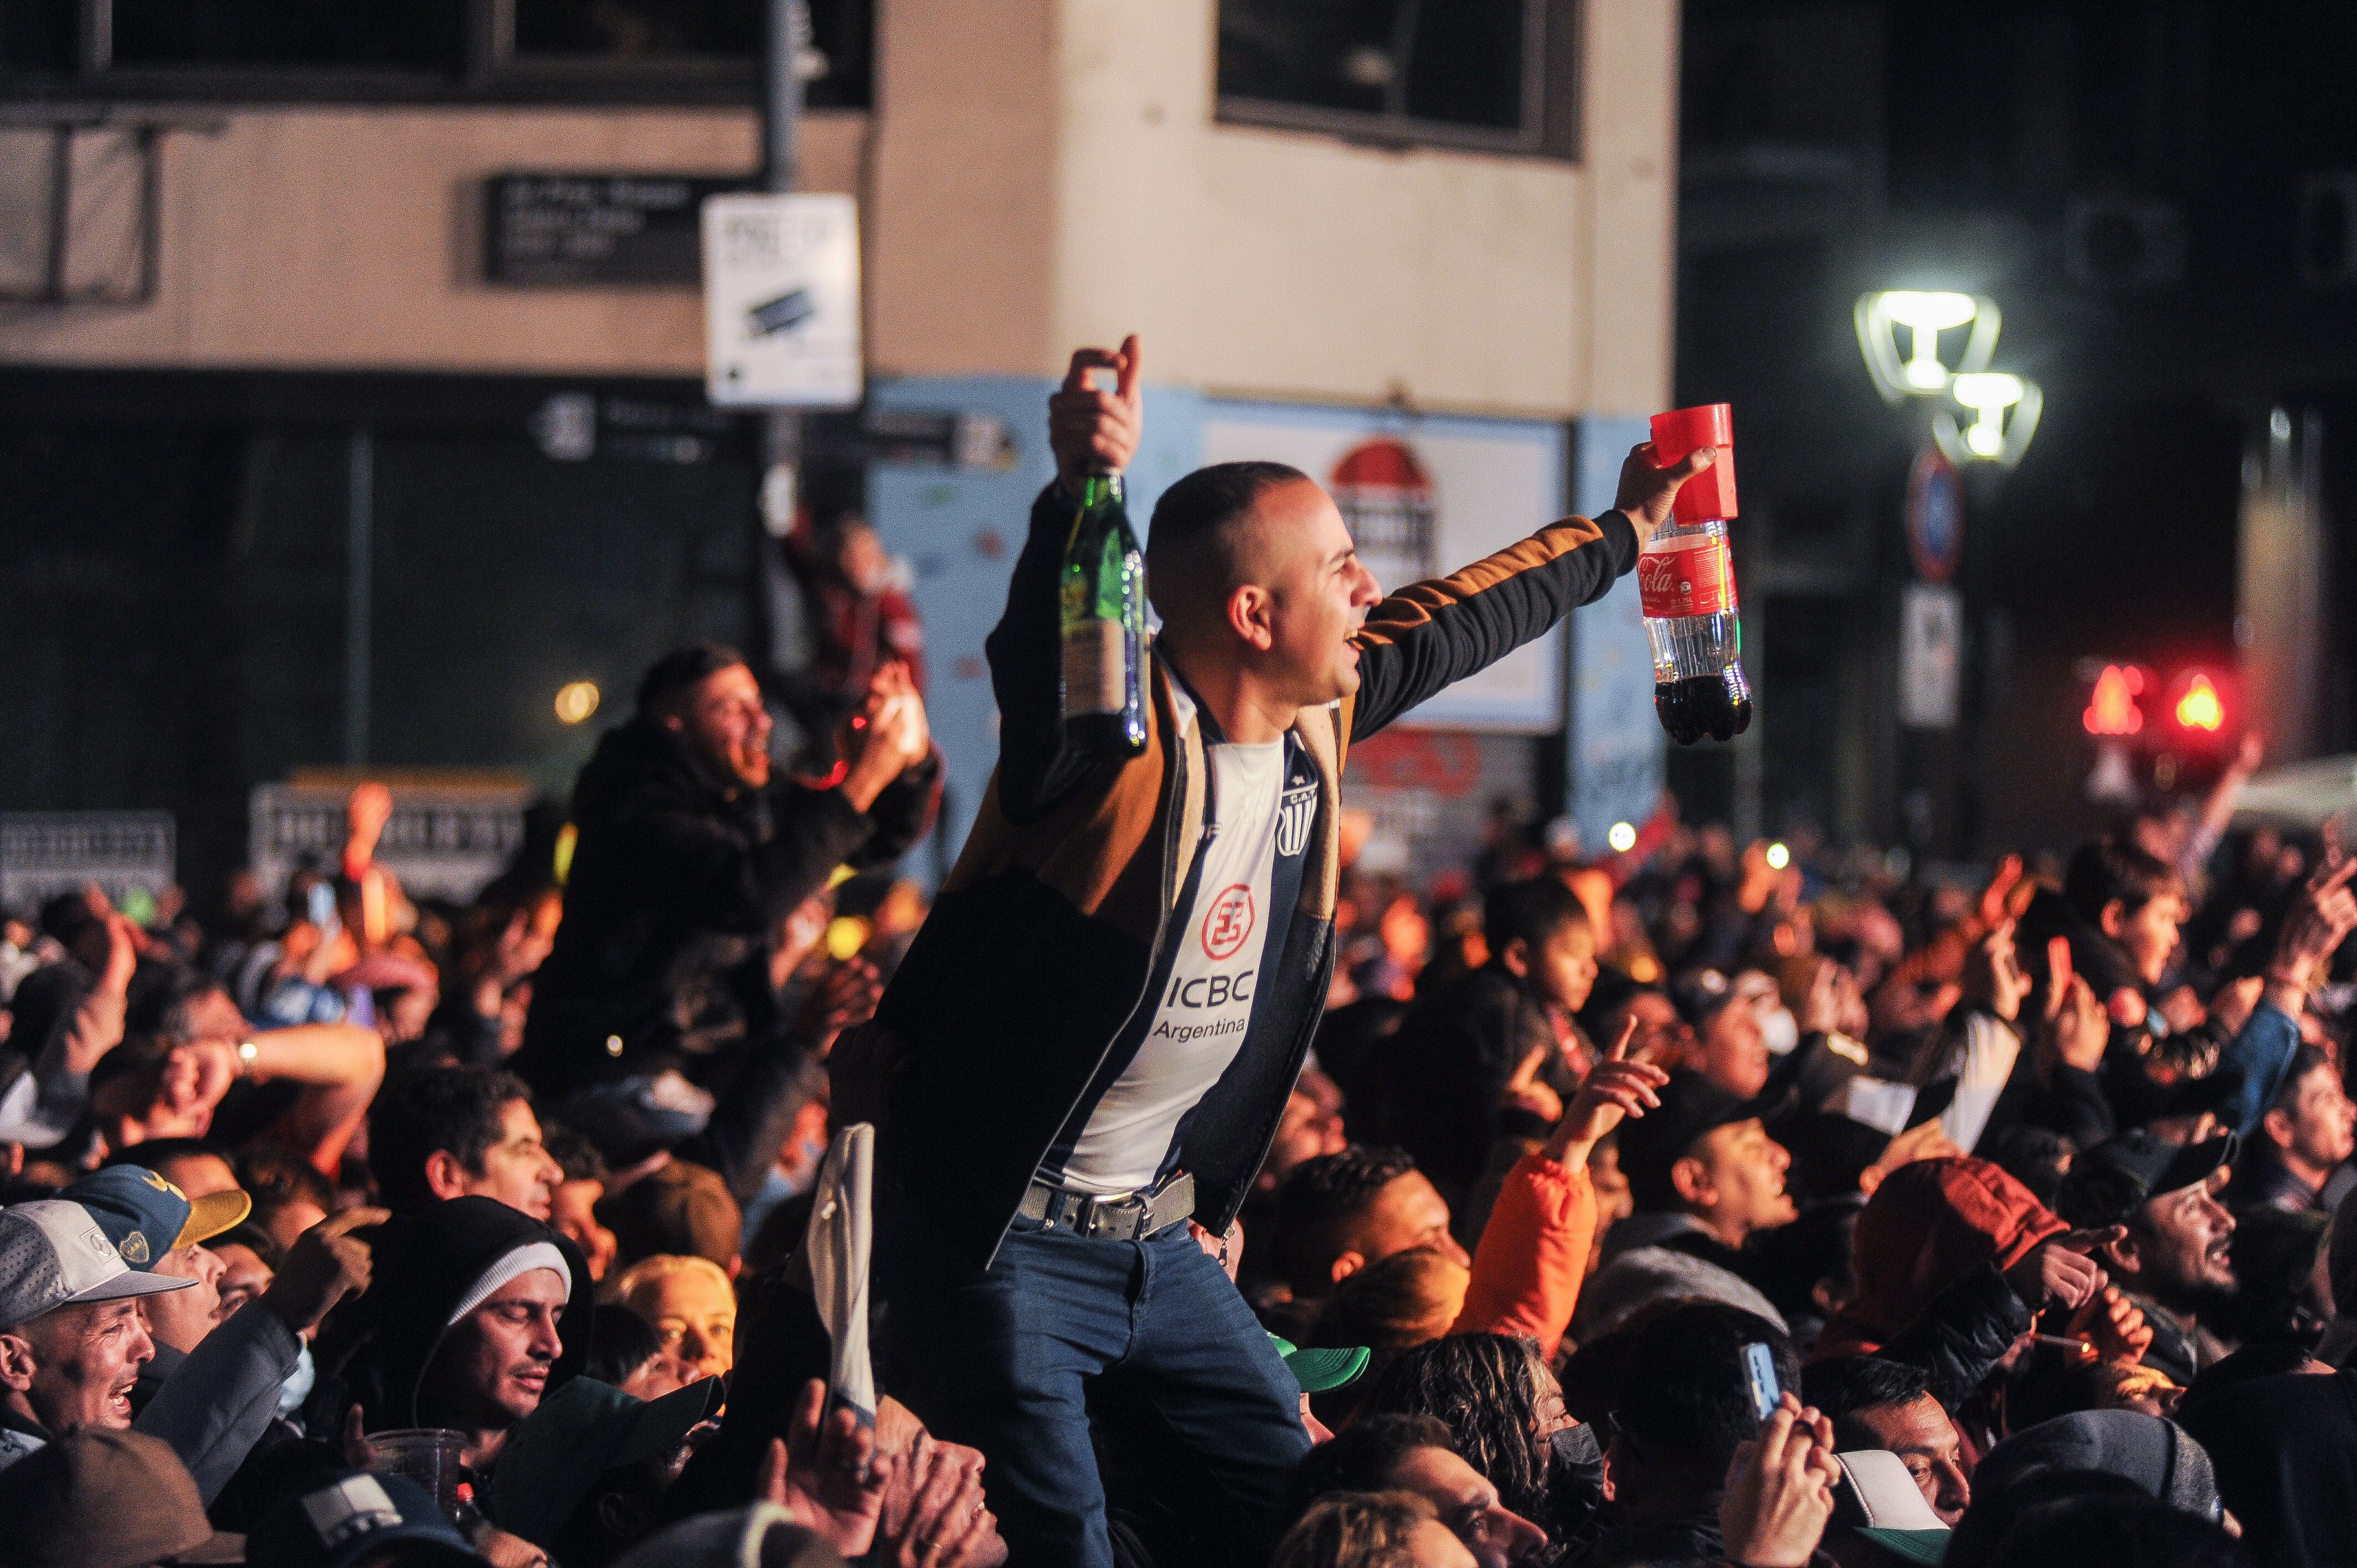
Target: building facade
pixel 350 388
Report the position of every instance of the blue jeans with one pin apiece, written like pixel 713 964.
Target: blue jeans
pixel 1000 1360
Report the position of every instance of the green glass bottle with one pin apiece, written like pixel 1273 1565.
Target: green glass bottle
pixel 1104 627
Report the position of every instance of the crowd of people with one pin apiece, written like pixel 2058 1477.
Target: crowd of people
pixel 1689 1204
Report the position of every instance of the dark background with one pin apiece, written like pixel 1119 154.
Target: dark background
pixel 2014 150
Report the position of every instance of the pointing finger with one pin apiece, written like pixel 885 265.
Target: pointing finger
pixel 1619 1051
pixel 351 1219
pixel 2088 1241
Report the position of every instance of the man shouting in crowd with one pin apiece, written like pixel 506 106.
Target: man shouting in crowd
pixel 1092 1039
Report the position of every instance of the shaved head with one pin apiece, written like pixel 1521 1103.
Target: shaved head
pixel 1199 548
pixel 1261 592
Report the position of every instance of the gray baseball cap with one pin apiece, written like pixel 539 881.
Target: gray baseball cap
pixel 53 1254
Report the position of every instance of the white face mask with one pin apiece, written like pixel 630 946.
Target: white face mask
pixel 297 1386
pixel 1781 1030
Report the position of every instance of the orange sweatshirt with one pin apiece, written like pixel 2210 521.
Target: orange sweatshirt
pixel 1533 1254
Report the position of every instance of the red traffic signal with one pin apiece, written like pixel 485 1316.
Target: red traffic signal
pixel 2199 710
pixel 2112 707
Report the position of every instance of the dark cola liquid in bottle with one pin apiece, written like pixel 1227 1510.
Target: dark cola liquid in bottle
pixel 1687 583
pixel 1103 613
pixel 1685 577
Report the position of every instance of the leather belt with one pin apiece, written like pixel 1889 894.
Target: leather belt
pixel 1111 1216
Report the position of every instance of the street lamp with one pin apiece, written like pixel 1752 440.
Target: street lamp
pixel 2003 415
pixel 1992 437
pixel 1924 315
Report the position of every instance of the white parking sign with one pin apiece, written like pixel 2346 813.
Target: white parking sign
pixel 781 301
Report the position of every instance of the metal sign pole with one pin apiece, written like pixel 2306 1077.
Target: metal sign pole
pixel 782 434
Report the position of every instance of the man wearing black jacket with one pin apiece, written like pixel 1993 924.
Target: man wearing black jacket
pixel 1093 1036
pixel 689 858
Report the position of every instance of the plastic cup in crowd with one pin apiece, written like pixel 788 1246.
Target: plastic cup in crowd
pixel 427 1455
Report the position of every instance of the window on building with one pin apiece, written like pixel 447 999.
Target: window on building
pixel 710 35
pixel 641 29
pixel 1497 74
pixel 571 51
pixel 36 38
pixel 343 35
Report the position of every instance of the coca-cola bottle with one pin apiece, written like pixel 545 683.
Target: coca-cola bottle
pixel 1104 614
pixel 1685 578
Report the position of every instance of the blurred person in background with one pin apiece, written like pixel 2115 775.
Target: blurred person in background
pixel 857 616
pixel 690 857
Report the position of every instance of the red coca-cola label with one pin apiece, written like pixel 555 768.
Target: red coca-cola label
pixel 1696 579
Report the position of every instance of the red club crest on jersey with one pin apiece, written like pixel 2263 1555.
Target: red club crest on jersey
pixel 1229 921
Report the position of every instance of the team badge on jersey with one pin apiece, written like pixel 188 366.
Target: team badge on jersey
pixel 1294 814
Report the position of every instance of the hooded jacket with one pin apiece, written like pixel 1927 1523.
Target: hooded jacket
pixel 1929 1224
pixel 431 1267
pixel 1931 1251
pixel 676 888
pixel 1039 948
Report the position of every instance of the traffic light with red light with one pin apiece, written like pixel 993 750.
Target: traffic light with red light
pixel 2171 735
pixel 2111 706
pixel 2199 710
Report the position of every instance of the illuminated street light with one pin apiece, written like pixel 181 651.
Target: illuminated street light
pixel 1989 395
pixel 1925 316
pixel 1993 436
pixel 576 701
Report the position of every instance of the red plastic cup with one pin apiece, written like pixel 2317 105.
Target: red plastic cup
pixel 1711 493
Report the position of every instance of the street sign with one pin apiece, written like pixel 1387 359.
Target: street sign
pixel 1935 516
pixel 1930 655
pixel 781 301
pixel 574 427
pixel 568 230
pixel 442 841
pixel 44 854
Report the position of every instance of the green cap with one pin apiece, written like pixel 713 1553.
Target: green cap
pixel 1320 1370
pixel 579 1433
pixel 1928 1547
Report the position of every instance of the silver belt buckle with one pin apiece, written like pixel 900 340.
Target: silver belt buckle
pixel 1107 1215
